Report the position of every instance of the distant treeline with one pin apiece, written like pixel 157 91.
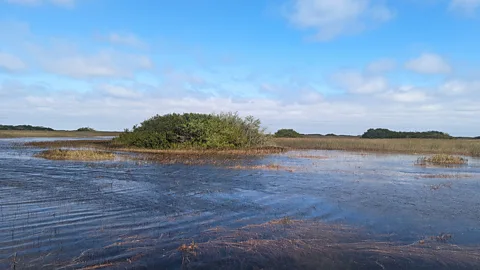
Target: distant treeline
pixel 291 133
pixel 25 127
pixel 382 133
pixel 379 133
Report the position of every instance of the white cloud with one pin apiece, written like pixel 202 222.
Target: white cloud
pixel 119 91
pixel 457 87
pixel 291 93
pixel 102 64
pixel 404 108
pixel 409 96
pixel 358 83
pixel 127 39
pixel 10 62
pixel 465 6
pixel 381 66
pixel 330 19
pixel 429 63
pixel 63 3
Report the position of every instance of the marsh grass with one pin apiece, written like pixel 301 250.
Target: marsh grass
pixel 463 147
pixel 77 155
pixel 441 160
pixel 269 167
pixel 223 157
pixel 292 244
pixel 445 176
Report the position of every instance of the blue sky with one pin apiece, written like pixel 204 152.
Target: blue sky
pixel 318 66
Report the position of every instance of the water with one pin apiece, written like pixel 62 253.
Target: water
pixel 62 214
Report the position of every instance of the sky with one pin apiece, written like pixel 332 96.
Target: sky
pixel 317 66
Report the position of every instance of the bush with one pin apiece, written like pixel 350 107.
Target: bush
pixel 287 133
pixel 86 129
pixel 381 133
pixel 193 130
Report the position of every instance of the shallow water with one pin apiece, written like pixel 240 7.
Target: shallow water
pixel 57 214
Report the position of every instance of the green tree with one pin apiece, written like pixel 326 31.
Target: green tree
pixel 287 133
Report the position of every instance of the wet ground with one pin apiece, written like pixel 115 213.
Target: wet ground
pixel 63 214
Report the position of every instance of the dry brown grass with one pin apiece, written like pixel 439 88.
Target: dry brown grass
pixel 77 155
pixel 308 156
pixel 313 245
pixel 53 134
pixel 407 146
pixel 109 144
pixel 441 160
pixel 445 176
pixel 269 167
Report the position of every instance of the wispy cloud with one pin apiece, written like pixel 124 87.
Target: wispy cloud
pixel 468 7
pixel 429 63
pixel 330 19
pixel 126 39
pixel 10 62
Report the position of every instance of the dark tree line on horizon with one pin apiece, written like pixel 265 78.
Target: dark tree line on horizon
pixel 25 127
pixel 383 133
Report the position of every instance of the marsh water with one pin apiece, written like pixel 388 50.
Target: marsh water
pixel 63 214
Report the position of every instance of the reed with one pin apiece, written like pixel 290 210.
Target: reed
pixel 78 155
pixel 463 147
pixel 441 159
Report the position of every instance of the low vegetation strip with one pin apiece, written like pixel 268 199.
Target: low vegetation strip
pixel 54 134
pixel 405 146
pixel 24 127
pixel 78 155
pixel 382 133
pixel 441 159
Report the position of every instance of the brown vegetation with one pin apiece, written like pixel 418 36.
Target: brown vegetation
pixel 441 160
pixel 79 155
pixel 407 146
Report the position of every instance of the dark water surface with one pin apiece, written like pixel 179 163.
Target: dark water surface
pixel 62 214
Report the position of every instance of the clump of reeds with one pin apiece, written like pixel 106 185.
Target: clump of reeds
pixel 441 159
pixel 445 176
pixel 80 155
pixel 269 167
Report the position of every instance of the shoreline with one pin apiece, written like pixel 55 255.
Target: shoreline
pixel 467 148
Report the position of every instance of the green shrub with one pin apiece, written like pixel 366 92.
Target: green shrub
pixel 86 129
pixel 192 130
pixel 287 133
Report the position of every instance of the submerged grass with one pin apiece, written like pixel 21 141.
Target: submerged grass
pixel 80 155
pixel 173 156
pixel 441 160
pixel 408 146
pixel 281 244
pixel 291 244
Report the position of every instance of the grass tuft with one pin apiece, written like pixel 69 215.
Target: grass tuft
pixel 80 155
pixel 441 159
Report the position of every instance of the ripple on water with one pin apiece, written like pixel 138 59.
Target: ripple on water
pixel 55 214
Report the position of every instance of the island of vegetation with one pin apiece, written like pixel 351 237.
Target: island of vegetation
pixel 382 133
pixel 196 131
pixel 86 129
pixel 287 133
